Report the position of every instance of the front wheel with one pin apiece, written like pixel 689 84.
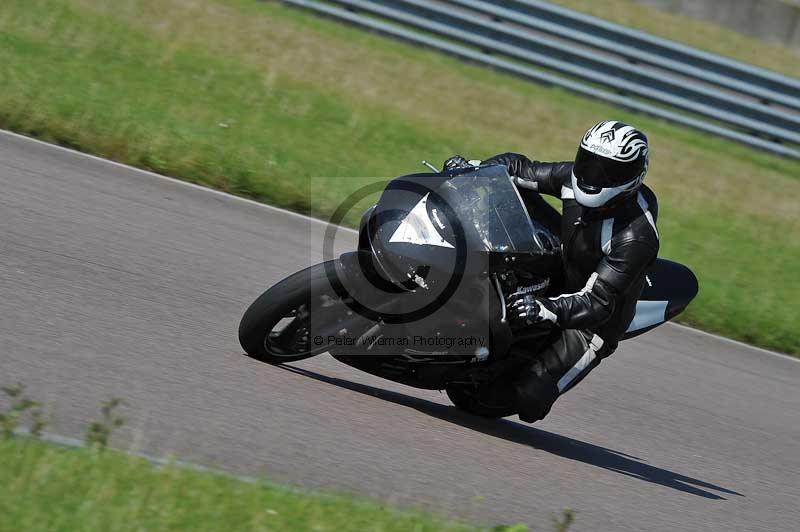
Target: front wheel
pixel 276 328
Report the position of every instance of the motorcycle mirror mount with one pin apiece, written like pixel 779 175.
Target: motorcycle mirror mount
pixel 429 165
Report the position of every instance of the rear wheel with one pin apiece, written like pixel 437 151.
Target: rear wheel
pixel 276 328
pixel 492 400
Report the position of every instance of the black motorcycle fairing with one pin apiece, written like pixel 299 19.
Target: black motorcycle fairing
pixel 472 308
pixel 469 218
pixel 427 226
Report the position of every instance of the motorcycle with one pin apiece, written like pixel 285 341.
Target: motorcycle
pixel 422 300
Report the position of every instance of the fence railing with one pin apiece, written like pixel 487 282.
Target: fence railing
pixel 593 57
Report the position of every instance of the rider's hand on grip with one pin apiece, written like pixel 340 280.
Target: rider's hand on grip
pixel 524 309
pixel 454 162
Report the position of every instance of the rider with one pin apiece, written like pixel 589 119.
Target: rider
pixel 609 235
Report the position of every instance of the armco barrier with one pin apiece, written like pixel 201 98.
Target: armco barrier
pixel 553 45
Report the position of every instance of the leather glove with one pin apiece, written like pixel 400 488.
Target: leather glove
pixel 525 309
pixel 454 162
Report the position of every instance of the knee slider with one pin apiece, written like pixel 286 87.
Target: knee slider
pixel 536 392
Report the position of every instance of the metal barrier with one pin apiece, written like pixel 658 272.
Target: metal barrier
pixel 702 63
pixel 643 48
pixel 645 72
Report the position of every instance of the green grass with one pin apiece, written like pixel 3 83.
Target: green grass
pixel 51 488
pixel 261 100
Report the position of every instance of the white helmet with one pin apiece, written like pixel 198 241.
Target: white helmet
pixel 611 163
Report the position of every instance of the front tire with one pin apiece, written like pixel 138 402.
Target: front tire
pixel 291 299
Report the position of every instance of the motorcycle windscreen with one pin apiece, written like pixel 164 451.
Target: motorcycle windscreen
pixel 488 203
pixel 668 290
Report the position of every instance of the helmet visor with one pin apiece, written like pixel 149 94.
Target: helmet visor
pixel 595 171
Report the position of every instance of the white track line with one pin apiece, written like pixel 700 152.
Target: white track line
pixel 170 179
pixel 734 342
pixel 69 441
pixel 311 219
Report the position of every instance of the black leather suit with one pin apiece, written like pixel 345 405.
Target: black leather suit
pixel 606 253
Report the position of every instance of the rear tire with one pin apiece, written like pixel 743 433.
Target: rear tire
pixel 490 401
pixel 278 303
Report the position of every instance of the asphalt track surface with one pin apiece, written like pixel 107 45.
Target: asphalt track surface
pixel 115 282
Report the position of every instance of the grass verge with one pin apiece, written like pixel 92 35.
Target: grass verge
pixel 48 487
pixel 257 99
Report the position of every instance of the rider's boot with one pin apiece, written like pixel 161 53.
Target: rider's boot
pixel 557 369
